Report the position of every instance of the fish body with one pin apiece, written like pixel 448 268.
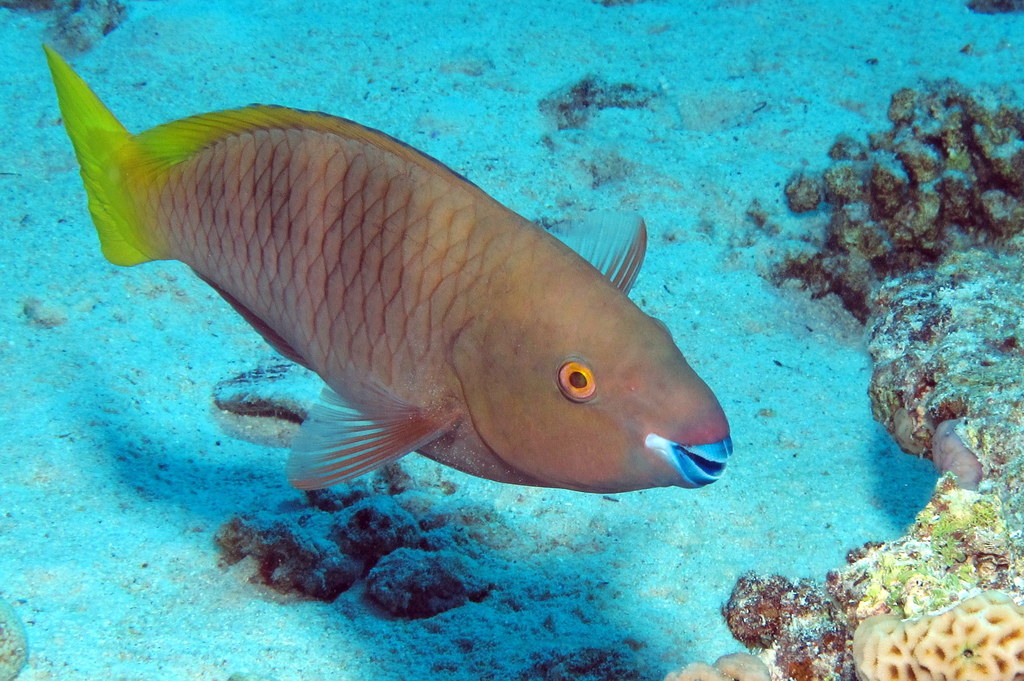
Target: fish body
pixel 440 321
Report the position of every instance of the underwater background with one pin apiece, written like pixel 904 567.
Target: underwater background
pixel 147 529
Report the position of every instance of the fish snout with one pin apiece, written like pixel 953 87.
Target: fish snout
pixel 697 465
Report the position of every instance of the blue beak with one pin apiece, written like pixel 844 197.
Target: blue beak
pixel 702 464
pixel 697 465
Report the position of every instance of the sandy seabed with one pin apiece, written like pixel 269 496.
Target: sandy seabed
pixel 116 473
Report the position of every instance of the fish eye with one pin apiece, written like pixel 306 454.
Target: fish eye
pixel 576 381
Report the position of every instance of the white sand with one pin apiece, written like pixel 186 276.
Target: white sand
pixel 115 475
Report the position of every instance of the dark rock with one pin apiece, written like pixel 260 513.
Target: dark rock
pixel 333 499
pixel 587 664
pixel 572 106
pixel 291 558
pixel 413 583
pixel 412 566
pixel 373 527
pixel 321 550
pixel 996 6
pixel 28 5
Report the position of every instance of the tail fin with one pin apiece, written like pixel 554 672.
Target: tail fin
pixel 103 147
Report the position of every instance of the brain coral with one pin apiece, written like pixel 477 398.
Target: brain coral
pixel 981 639
pixel 735 667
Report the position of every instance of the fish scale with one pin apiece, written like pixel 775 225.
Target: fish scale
pixel 441 321
pixel 292 241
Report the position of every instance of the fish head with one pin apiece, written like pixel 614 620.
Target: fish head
pixel 611 406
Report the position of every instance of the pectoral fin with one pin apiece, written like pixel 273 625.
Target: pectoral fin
pixel 338 441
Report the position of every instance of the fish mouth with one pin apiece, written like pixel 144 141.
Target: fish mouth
pixel 697 465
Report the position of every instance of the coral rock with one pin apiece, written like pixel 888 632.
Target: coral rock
pixel 960 543
pixel 980 639
pixel 843 184
pixel 803 193
pixel 784 617
pixel 13 643
pixel 413 583
pixel 889 186
pixel 948 344
pixel 948 174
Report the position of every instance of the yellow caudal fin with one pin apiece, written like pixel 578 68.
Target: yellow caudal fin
pixel 104 149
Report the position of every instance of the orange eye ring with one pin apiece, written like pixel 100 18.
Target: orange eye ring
pixel 576 381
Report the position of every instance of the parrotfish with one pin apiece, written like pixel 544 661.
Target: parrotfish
pixel 440 321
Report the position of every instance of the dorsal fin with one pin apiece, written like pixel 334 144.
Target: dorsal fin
pixel 614 243
pixel 171 143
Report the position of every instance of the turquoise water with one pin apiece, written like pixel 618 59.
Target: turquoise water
pixel 119 471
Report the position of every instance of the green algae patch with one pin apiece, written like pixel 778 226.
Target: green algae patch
pixel 960 543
